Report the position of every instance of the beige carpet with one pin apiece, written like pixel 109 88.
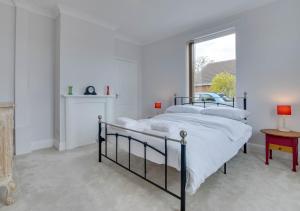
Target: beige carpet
pixel 49 180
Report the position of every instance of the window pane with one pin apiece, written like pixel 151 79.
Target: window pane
pixel 215 69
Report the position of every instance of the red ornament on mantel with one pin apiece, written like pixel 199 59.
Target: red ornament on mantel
pixel 107 90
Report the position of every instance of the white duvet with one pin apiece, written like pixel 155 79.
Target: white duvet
pixel 211 141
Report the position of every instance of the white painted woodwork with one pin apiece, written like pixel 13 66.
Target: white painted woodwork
pixel 6 150
pixel 126 88
pixel 81 118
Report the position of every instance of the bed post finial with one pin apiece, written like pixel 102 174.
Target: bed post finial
pixel 100 118
pixel 245 94
pixel 183 135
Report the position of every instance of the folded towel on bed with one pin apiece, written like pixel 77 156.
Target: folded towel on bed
pixel 164 128
pixel 160 126
pixel 126 122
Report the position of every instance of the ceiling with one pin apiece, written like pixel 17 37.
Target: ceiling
pixel 146 21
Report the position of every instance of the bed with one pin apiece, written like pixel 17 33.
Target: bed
pixel 191 139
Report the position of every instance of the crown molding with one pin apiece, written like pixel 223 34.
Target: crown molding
pixel 35 9
pixel 61 9
pixel 7 2
pixel 124 38
pixel 86 17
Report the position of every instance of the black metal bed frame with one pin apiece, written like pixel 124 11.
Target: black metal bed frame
pixel 182 142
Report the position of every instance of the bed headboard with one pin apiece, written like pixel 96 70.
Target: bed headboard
pixel 200 102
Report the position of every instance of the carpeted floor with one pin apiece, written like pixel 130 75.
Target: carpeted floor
pixel 48 180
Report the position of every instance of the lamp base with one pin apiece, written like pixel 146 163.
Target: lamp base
pixel 282 125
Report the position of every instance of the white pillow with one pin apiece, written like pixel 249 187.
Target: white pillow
pixel 126 122
pixel 184 109
pixel 227 112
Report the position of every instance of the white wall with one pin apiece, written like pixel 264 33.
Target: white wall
pixel 86 57
pixel 6 53
pixel 127 50
pixel 268 49
pixel 34 81
pixel 268 62
pixel 163 72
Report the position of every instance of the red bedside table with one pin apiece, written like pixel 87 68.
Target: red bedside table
pixel 282 141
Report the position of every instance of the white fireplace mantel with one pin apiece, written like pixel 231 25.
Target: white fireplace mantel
pixel 89 96
pixel 81 117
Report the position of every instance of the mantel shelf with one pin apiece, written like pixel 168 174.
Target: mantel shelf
pixel 89 96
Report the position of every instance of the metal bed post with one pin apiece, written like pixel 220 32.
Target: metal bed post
pixel 166 163
pixel 245 101
pixel 129 152
pixel 145 160
pixel 183 142
pixel 245 108
pixel 99 137
pixel 116 156
pixel 105 140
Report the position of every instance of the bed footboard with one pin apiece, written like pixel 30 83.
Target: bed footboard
pixel 182 142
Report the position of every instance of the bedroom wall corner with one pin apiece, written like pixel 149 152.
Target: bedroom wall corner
pixel 268 46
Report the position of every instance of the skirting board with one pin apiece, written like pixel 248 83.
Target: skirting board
pixel 58 145
pixel 42 144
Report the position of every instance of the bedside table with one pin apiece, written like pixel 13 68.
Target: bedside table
pixel 282 141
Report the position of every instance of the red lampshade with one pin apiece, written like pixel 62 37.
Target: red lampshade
pixel 284 110
pixel 157 105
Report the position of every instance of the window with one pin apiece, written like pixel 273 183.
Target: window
pixel 212 61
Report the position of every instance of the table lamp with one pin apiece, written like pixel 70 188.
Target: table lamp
pixel 157 106
pixel 283 111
